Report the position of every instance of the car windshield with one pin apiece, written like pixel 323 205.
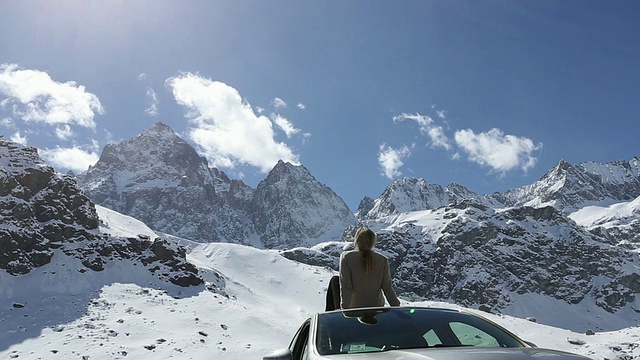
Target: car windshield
pixel 405 328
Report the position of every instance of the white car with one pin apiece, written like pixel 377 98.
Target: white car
pixel 408 333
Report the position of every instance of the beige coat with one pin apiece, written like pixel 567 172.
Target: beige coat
pixel 359 289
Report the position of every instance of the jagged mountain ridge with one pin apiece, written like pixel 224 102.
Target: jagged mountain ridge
pixel 413 194
pixel 570 187
pixel 566 187
pixel 477 256
pixel 605 278
pixel 277 203
pixel 158 178
pixel 45 214
pixel 487 250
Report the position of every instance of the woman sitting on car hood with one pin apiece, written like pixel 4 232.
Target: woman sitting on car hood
pixel 364 274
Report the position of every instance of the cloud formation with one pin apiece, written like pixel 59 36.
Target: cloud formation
pixel 18 138
pixel 498 151
pixel 32 96
pixel 75 158
pixel 493 148
pixel 427 127
pixel 224 126
pixel 390 160
pixel 64 132
pixel 285 125
pixel 279 103
pixel 152 102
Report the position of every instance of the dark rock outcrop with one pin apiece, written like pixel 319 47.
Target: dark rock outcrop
pixel 44 211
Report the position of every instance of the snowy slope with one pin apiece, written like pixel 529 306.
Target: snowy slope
pixel 618 214
pixel 253 302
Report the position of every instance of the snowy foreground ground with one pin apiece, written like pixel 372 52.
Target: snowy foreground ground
pixel 123 312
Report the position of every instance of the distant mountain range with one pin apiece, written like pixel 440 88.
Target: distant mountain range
pixel 569 239
pixel 159 179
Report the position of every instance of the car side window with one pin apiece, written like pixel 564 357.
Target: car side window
pixel 472 336
pixel 298 345
pixel 432 338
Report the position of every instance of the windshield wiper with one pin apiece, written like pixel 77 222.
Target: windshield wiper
pixel 450 345
pixel 389 348
pixel 396 347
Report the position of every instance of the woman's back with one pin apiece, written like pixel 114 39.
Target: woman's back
pixel 362 287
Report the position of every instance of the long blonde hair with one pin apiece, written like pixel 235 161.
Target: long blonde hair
pixel 364 240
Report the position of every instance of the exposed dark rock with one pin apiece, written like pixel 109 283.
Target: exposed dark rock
pixel 44 211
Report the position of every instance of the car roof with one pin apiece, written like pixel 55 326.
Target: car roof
pixel 387 308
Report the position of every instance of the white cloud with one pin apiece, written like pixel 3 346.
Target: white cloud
pixel 301 106
pixel 442 114
pixel 63 132
pixel 75 158
pixel 428 127
pixel 225 127
pixel 7 122
pixel 390 160
pixel 152 100
pixel 279 103
pixel 34 97
pixel 284 124
pixel 498 151
pixel 18 138
pixel 438 137
pixel 108 136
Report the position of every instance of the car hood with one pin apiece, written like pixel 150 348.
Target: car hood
pixel 463 354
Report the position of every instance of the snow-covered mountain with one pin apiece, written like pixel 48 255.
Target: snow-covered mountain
pixel 546 240
pixel 160 179
pixel 487 250
pixel 413 194
pixel 619 223
pixel 44 213
pixel 566 187
pixel 481 257
pixel 251 303
pixel 567 262
pixel 291 208
pixel 570 187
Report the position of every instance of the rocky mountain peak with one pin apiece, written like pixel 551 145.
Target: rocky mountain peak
pixel 43 210
pixel 151 150
pixel 285 171
pixel 366 204
pixel 14 157
pixel 562 170
pixel 569 187
pixel 159 128
pixel 408 194
pixel 291 208
pixel 159 179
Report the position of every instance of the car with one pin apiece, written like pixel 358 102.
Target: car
pixel 408 333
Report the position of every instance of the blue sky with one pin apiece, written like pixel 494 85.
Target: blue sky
pixel 488 94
